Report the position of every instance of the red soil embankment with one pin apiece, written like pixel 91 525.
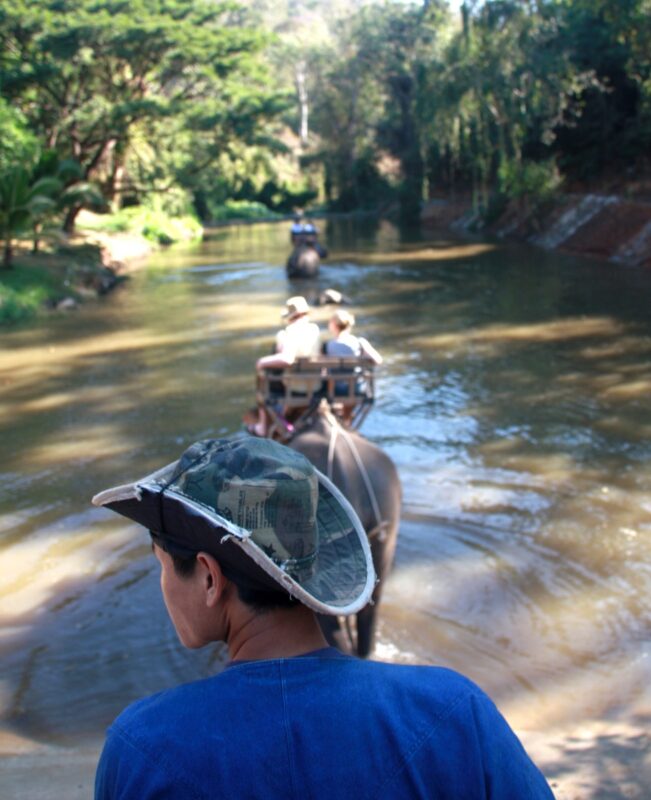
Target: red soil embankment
pixel 601 226
pixel 621 231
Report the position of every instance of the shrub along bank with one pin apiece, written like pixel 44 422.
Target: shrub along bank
pixel 65 273
pixel 61 278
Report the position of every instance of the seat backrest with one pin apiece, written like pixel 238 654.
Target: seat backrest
pixel 347 379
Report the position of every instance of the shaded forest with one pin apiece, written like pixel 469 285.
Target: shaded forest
pixel 188 105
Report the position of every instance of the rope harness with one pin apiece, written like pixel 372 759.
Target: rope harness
pixel 380 528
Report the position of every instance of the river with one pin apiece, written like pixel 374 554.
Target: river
pixel 515 400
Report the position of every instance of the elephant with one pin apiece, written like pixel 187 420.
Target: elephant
pixel 369 480
pixel 303 262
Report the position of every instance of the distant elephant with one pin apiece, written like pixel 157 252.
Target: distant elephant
pixel 303 262
pixel 369 480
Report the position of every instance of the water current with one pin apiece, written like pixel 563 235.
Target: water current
pixel 515 399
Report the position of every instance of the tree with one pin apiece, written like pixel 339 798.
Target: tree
pixel 346 112
pixel 17 143
pixel 68 189
pixel 366 85
pixel 88 74
pixel 611 39
pixel 22 200
pixel 494 99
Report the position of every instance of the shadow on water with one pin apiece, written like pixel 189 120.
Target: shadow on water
pixel 96 644
pixel 598 761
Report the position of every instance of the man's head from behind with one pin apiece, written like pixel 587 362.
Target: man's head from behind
pixel 260 516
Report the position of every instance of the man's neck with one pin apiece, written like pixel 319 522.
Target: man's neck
pixel 279 633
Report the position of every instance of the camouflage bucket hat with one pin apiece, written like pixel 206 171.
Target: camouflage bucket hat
pixel 270 518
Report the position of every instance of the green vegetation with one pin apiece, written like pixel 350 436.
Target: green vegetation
pixel 142 94
pixel 115 106
pixel 158 109
pixel 506 100
pixel 242 210
pixel 23 199
pixel 18 145
pixel 25 291
pixel 69 273
pixel 155 225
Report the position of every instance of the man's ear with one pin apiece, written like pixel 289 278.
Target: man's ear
pixel 213 578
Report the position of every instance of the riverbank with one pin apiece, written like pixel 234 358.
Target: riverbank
pixel 70 270
pixel 57 279
pixel 604 226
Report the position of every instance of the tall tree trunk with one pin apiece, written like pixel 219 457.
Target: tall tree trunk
pixel 118 187
pixel 115 184
pixel 36 237
pixel 70 218
pixel 411 188
pixel 301 90
pixel 8 252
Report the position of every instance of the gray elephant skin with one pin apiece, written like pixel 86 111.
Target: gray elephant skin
pixel 303 262
pixel 383 501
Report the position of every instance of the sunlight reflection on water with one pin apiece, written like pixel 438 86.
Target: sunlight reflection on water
pixel 514 400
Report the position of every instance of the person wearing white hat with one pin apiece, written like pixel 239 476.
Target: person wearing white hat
pixel 252 542
pixel 299 339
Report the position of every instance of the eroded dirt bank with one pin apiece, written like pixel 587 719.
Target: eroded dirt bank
pixel 597 225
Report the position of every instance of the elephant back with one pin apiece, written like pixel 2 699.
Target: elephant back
pixel 369 480
pixel 360 469
pixel 303 262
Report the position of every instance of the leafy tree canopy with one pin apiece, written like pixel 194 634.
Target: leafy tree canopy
pixel 87 74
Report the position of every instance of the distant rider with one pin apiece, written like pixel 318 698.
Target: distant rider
pixel 297 230
pixel 305 232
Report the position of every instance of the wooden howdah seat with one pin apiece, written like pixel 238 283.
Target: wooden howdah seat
pixel 290 394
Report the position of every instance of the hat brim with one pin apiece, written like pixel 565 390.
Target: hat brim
pixel 342 577
pixel 295 312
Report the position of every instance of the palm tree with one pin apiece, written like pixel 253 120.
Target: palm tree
pixel 71 191
pixel 22 200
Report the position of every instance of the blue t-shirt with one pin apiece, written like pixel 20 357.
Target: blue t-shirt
pixel 320 726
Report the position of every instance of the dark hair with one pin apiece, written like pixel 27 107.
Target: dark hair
pixel 260 600
pixel 183 565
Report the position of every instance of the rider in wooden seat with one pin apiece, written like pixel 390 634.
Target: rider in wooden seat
pixel 343 376
pixel 344 383
pixel 345 344
pixel 299 339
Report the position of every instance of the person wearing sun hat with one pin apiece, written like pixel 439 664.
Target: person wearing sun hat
pixel 252 542
pixel 299 339
pixel 270 519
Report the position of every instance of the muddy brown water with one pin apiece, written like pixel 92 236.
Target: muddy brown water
pixel 515 401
